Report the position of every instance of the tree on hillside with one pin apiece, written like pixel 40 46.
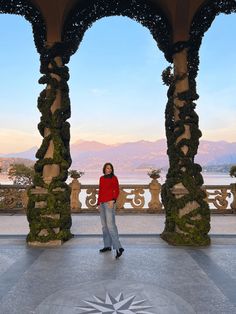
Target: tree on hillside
pixel 233 171
pixel 21 174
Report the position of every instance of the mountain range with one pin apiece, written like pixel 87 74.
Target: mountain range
pixel 90 155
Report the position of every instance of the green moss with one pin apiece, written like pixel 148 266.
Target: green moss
pixel 183 170
pixel 185 240
pixel 56 202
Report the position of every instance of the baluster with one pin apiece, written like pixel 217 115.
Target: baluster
pixel 75 203
pixel 155 189
pixel 233 191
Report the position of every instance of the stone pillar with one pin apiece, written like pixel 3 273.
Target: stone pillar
pixel 48 209
pixel 187 212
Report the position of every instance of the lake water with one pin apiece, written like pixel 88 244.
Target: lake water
pixel 142 178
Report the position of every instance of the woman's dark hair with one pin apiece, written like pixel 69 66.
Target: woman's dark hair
pixel 106 164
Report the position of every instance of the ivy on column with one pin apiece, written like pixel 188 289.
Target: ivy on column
pixel 49 210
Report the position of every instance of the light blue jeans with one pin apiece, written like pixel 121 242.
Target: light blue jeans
pixel 109 228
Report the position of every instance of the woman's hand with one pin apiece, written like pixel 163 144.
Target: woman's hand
pixel 110 204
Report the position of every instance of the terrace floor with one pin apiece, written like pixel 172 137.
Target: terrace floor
pixel 150 277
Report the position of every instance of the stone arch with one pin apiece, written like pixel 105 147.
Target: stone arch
pixel 32 14
pixel 85 13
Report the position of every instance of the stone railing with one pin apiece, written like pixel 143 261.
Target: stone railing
pixel 13 198
pixel 221 198
pixel 133 198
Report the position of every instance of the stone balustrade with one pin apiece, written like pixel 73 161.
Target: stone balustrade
pixel 13 198
pixel 133 198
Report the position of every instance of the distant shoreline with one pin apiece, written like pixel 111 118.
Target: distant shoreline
pixel 210 178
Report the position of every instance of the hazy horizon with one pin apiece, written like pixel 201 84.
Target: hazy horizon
pixel 112 144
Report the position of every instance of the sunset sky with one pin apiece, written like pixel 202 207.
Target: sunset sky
pixel 116 90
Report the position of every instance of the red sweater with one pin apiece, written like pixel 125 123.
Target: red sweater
pixel 108 189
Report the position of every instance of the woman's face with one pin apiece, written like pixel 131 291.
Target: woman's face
pixel 108 169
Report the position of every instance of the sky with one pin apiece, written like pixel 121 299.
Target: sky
pixel 116 90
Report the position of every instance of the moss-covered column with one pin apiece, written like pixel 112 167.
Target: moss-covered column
pixel 48 210
pixel 187 213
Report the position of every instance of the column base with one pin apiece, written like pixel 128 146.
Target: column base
pixel 51 243
pixel 178 239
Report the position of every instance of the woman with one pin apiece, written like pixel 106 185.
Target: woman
pixel 107 195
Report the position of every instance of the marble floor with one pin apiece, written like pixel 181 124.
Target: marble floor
pixel 151 277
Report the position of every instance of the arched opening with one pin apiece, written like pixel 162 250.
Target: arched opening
pixel 216 105
pixel 215 88
pixel 19 88
pixel 19 136
pixel 116 90
pixel 118 103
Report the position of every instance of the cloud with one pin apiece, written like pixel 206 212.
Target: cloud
pixel 99 91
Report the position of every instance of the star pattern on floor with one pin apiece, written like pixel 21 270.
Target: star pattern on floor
pixel 118 305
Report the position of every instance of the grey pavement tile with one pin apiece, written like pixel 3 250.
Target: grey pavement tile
pixel 8 256
pixel 224 280
pixel 16 270
pixel 225 258
pixel 52 281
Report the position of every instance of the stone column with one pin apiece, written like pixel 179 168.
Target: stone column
pixel 48 209
pixel 187 212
